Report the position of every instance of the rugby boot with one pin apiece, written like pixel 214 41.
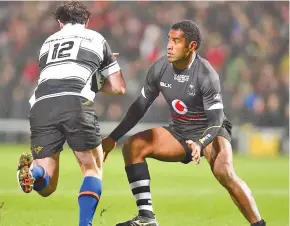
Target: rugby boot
pixel 24 175
pixel 139 221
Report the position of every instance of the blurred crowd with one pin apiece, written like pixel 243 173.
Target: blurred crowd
pixel 246 42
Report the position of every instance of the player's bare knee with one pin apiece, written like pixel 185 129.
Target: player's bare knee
pixel 89 165
pixel 225 175
pixel 90 162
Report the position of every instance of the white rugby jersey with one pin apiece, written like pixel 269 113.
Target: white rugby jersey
pixel 69 59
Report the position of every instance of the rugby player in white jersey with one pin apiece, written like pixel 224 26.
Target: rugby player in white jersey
pixel 73 62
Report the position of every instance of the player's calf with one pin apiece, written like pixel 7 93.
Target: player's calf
pixel 219 156
pixel 241 195
pixel 135 150
pixel 91 188
pixel 89 196
pixel 155 143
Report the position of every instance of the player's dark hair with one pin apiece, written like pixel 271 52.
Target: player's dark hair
pixel 73 12
pixel 191 31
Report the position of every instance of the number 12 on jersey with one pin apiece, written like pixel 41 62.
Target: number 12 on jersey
pixel 64 50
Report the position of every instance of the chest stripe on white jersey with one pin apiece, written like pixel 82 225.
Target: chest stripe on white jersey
pixel 75 77
pixel 92 51
pixel 89 57
pixel 53 86
pixel 82 64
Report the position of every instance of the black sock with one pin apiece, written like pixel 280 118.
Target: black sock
pixel 259 223
pixel 139 179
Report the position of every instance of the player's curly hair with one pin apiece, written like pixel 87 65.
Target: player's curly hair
pixel 191 31
pixel 74 12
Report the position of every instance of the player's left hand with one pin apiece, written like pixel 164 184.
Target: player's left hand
pixel 195 151
pixel 108 145
pixel 116 54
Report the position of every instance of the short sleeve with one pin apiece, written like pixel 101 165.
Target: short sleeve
pixel 109 64
pixel 211 91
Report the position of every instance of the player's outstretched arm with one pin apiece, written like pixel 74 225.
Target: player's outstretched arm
pixel 138 109
pixel 135 113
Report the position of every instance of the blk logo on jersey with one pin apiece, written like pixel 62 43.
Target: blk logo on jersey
pixel 179 107
pixel 166 85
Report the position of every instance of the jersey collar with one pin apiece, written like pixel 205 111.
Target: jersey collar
pixel 73 26
pixel 193 58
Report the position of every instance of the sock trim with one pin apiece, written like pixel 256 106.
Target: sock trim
pixel 259 223
pixel 45 178
pixel 90 193
pixel 42 178
pixel 140 183
pixel 144 195
pixel 146 207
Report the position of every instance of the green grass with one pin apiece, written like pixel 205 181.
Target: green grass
pixel 183 195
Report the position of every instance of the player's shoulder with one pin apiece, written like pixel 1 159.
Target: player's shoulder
pixel 96 36
pixel 205 68
pixel 162 60
pixel 51 37
pixel 85 33
pixel 45 45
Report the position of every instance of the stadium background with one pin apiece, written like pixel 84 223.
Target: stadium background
pixel 246 42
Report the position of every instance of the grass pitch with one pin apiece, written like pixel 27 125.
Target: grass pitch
pixel 182 195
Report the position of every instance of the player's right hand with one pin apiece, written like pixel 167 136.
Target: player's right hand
pixel 108 144
pixel 195 151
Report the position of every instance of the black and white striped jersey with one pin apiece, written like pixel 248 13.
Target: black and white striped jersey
pixel 68 59
pixel 193 95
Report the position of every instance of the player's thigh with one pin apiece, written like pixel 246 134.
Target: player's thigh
pixel 46 151
pixel 83 136
pixel 81 126
pixel 157 143
pixel 46 138
pixel 91 161
pixel 219 153
pixel 86 144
